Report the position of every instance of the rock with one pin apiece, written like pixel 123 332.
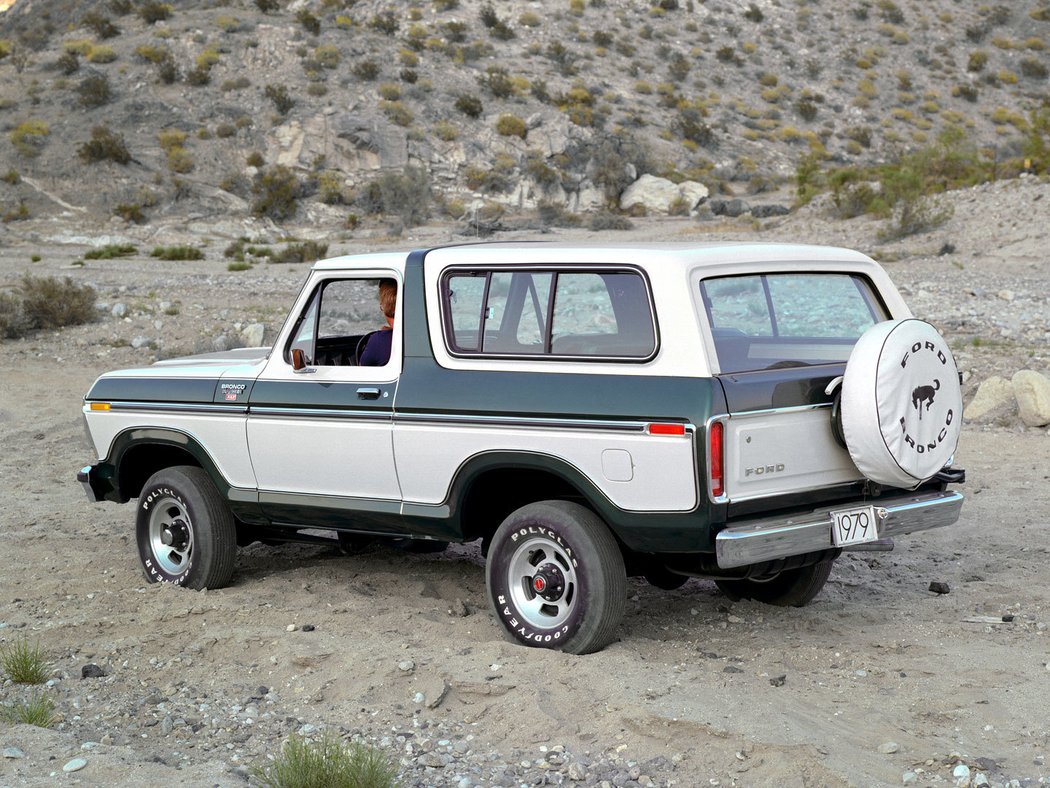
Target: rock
pixel 979 779
pixel 909 778
pixel 13 752
pixel 766 211
pixel 166 726
pixel 889 747
pixel 1032 392
pixel 406 666
pixel 577 772
pixel 658 195
pixel 92 671
pixel 1006 295
pixel 252 335
pixel 75 765
pixel 732 208
pixel 938 587
pixel 778 681
pixel 994 398
pixel 308 627
pixel 140 342
pixel 119 310
pixel 731 669
pixel 961 772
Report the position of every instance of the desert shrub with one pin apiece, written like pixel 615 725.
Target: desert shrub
pixel 327 55
pixel 977 61
pixel 110 251
pixel 237 83
pixel 39 710
pixel 267 6
pixel 120 7
pixel 152 11
pixel 327 761
pixel 606 220
pixel 385 22
pixel 94 91
pixel 367 70
pixel 68 63
pixel 409 75
pixel 19 214
pixel 282 101
pixel 101 54
pixel 1034 68
pixel 23 663
pixel 510 125
pixel 754 13
pixel 177 253
pixel 311 24
pixel 469 105
pixel 100 25
pixel 104 145
pixel 225 131
pixel 11 177
pixel 497 81
pixel 806 108
pixel 30 137
pixel 276 191
pixel 405 195
pixel 171 138
pixel 445 131
pixel 529 19
pixel 303 252
pixel 390 91
pixel 397 112
pixel 497 27
pixel 690 126
pixel 966 91
pixel 332 190
pixel 130 212
pixel 48 303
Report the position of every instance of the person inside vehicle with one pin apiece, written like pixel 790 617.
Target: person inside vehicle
pixel 377 348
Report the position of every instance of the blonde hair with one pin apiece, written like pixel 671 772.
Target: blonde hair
pixel 388 296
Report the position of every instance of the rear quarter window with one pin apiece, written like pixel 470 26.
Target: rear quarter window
pixel 792 319
pixel 548 313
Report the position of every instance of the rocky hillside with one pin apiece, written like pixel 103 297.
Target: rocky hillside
pixel 329 111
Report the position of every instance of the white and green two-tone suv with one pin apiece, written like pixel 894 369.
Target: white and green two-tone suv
pixel 742 412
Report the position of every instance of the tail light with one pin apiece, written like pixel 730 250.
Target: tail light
pixel 716 475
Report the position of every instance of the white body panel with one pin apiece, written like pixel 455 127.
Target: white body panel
pixel 319 456
pixel 223 437
pixel 781 452
pixel 663 472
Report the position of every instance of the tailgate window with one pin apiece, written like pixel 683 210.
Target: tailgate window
pixel 778 320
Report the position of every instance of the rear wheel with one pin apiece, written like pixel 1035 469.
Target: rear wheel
pixel 556 578
pixel 789 588
pixel 186 533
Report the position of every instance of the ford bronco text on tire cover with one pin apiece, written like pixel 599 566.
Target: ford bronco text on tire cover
pixel 743 412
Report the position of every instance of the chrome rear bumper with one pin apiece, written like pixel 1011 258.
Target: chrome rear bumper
pixel 767 539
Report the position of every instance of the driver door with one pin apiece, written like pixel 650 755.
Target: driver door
pixel 320 437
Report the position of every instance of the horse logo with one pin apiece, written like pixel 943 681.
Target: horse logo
pixel 924 394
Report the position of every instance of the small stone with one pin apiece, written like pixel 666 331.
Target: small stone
pixel 75 765
pixel 406 666
pixel 139 342
pixel 889 747
pixel 577 772
pixel 778 681
pixel 92 671
pixel 418 697
pixel 291 628
pixel 13 752
pixel 1006 295
pixel 119 310
pixel 938 587
pixel 1008 617
pixel 961 772
pixel 979 780
pixel 909 778
pixel 308 627
pixel 166 726
pixel 731 669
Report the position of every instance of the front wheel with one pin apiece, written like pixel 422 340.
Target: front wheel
pixel 789 588
pixel 556 578
pixel 186 533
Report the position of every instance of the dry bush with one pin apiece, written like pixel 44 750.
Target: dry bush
pixel 104 145
pixel 45 303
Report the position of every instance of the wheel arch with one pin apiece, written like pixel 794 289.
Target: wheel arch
pixel 139 452
pixel 489 486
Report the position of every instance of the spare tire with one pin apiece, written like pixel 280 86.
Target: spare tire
pixel 901 403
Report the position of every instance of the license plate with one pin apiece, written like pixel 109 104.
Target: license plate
pixel 854 526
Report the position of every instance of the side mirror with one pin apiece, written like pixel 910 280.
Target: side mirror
pixel 298 359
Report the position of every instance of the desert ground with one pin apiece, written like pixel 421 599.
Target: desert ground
pixel 878 682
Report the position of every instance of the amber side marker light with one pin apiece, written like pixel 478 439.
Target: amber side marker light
pixel 666 429
pixel 99 406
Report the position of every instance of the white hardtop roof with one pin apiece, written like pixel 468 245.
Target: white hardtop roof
pixel 542 252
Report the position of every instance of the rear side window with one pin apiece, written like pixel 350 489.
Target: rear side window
pixel 548 313
pixel 777 320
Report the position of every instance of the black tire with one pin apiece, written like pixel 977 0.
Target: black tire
pixel 186 533
pixel 584 584
pixel 790 588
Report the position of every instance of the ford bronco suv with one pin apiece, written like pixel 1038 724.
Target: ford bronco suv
pixel 742 412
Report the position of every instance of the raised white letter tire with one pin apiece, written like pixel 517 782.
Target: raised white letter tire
pixel 901 403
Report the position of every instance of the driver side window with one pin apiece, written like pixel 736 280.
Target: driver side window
pixel 337 321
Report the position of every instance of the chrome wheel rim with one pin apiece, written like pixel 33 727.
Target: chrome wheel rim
pixel 543 583
pixel 171 535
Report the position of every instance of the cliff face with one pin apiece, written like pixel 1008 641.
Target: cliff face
pixel 513 103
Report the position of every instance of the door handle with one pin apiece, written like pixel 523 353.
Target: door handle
pixel 368 392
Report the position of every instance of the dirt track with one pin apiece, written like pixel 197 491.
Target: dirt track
pixel 697 690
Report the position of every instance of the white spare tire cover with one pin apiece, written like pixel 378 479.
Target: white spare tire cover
pixel 901 403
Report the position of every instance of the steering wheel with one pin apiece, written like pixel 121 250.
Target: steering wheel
pixel 360 349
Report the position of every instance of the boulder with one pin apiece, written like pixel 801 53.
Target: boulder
pixel 252 335
pixel 994 399
pixel 1032 391
pixel 657 195
pixel 766 211
pixel 732 208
